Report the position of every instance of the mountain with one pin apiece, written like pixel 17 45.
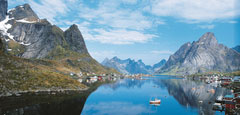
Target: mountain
pixel 158 65
pixel 25 35
pixel 36 55
pixel 200 56
pixel 3 9
pixel 130 66
pixel 237 48
pixel 74 37
pixel 127 66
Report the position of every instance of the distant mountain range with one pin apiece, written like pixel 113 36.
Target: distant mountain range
pixel 201 56
pixel 130 66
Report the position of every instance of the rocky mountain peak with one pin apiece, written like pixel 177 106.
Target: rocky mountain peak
pixel 74 27
pixel 3 9
pixel 202 56
pixel 23 12
pixel 74 37
pixel 140 62
pixel 105 61
pixel 208 39
pixel 130 66
pixel 115 58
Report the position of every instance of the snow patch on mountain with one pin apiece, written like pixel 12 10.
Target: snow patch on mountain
pixel 4 27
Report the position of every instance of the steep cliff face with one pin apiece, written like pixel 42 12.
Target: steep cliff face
pixel 3 9
pixel 26 36
pixel 38 38
pixel 74 37
pixel 23 12
pixel 202 56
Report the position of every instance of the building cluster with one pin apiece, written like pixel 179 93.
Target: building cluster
pixel 93 77
pixel 217 81
pixel 228 103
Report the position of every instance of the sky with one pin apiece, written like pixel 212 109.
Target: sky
pixel 150 30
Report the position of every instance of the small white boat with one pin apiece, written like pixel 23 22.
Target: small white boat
pixel 217 107
pixel 155 102
pixel 219 99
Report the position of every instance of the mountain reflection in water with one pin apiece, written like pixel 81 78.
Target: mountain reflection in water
pixel 126 96
pixel 179 96
pixel 194 94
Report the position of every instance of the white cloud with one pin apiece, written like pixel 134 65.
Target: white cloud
pixel 113 108
pixel 130 1
pixel 162 52
pixel 109 14
pixel 196 10
pixel 49 9
pixel 232 22
pixel 211 26
pixel 118 25
pixel 120 36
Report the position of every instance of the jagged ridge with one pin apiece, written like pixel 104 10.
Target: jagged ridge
pixel 130 66
pixel 27 36
pixel 202 56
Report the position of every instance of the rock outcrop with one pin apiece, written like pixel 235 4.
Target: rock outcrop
pixel 74 37
pixel 23 12
pixel 3 9
pixel 201 56
pixel 38 37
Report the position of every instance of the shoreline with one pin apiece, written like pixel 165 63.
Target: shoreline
pixel 41 91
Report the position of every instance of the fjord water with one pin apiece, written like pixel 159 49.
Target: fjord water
pixel 131 97
pixel 124 97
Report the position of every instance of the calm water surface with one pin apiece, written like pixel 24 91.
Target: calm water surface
pixel 125 97
pixel 131 97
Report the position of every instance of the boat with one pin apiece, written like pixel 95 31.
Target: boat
pixel 219 99
pixel 155 102
pixel 218 107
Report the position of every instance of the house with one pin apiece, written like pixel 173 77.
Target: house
pixel 226 80
pixel 237 100
pixel 229 103
pixel 100 78
pixel 93 79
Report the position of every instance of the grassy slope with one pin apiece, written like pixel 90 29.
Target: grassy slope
pixel 69 61
pixel 50 73
pixel 22 74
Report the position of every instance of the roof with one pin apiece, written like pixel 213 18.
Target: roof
pixel 237 77
pixel 229 96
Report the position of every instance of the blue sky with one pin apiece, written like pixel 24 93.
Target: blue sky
pixel 142 29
